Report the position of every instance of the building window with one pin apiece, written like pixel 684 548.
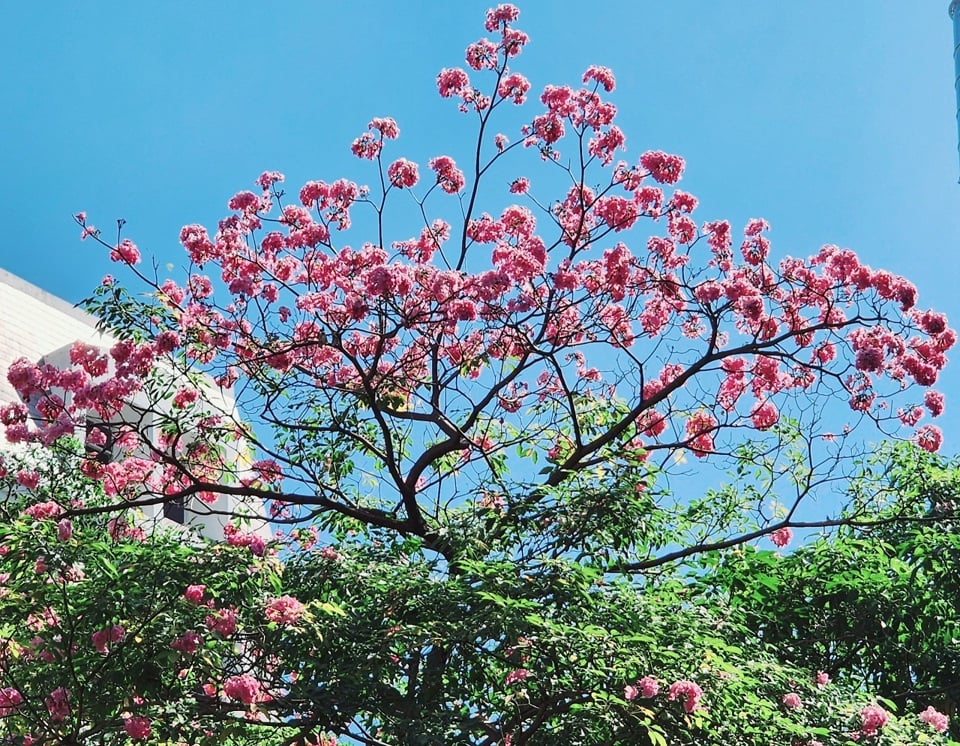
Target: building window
pixel 99 440
pixel 173 509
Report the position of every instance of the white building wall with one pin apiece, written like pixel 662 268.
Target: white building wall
pixel 35 324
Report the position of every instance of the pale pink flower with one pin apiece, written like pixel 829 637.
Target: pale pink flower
pixel 102 638
pixel 10 700
pixel 873 719
pixel 284 610
pixel 689 691
pixel 58 704
pixel 649 687
pixel 782 536
pixel 937 720
pixel 243 688
pixel 791 700
pixel 137 728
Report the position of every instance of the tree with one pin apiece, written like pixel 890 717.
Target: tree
pixel 876 605
pixel 474 440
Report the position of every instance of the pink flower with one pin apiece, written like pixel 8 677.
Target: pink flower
pixel 42 511
pixel 764 415
pixel 929 438
pixel 403 173
pixel 873 719
pixel 10 700
pixel 934 402
pixel 449 177
pixel 822 679
pixel 64 529
pixel 28 479
pixel 223 622
pixel 649 687
pixel 188 643
pixel 386 126
pixel 194 593
pixel 453 82
pixel 102 638
pixel 514 86
pixel 58 704
pixel 243 688
pixel 268 178
pixel 517 676
pixel 630 692
pixel 126 252
pixel 700 429
pixel 284 610
pixel 690 692
pixel 502 14
pixel 601 75
pixel 665 168
pixel 791 700
pixel 782 536
pixel 937 720
pixel 137 728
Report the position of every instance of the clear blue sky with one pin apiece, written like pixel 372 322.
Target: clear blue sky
pixel 835 120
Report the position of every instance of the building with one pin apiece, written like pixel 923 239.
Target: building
pixel 39 326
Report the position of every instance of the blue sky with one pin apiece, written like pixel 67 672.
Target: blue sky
pixel 833 120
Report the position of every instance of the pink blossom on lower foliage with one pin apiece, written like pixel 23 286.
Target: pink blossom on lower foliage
pixel 137 727
pixel 822 679
pixel 28 478
pixel 223 622
pixel 649 687
pixel 689 691
pixel 10 700
pixel 44 510
pixel 188 643
pixel 244 688
pixel 935 719
pixel 102 638
pixel 194 593
pixel 873 718
pixel 284 610
pixel 791 700
pixel 58 704
pixel 517 676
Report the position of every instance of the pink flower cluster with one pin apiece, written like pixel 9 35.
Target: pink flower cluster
pixel 102 639
pixel 10 700
pixel 648 687
pixel 935 719
pixel 244 688
pixel 137 728
pixel 689 692
pixel 873 718
pixel 284 611
pixel 782 536
pixel 516 676
pixel 792 701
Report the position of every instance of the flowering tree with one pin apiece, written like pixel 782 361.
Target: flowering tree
pixel 877 605
pixel 471 437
